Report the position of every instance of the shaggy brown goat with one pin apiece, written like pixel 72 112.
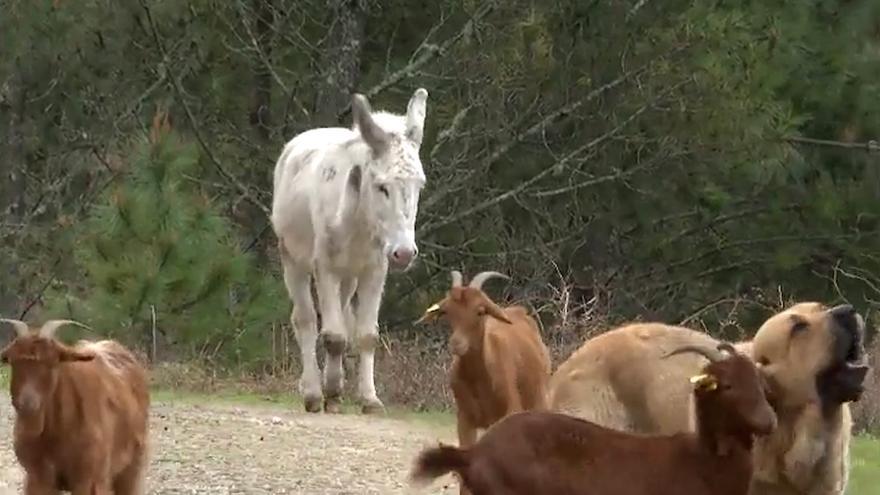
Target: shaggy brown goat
pixel 539 452
pixel 81 413
pixel 500 365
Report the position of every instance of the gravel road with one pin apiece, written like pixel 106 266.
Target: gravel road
pixel 230 449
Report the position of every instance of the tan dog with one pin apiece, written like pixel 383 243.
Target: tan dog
pixel 809 355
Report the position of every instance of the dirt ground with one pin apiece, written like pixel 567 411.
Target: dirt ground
pixel 235 449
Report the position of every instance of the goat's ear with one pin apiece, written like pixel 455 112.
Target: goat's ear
pixel 4 355
pixel 68 354
pixel 494 311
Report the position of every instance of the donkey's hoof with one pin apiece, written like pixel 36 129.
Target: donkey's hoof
pixel 332 405
pixel 372 406
pixel 312 403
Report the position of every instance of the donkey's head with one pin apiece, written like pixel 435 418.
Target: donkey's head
pixel 388 184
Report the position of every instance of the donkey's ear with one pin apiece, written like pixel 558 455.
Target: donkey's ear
pixel 415 116
pixel 375 137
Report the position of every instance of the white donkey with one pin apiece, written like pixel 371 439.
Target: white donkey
pixel 344 210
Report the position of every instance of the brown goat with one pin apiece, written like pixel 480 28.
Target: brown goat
pixel 539 452
pixel 500 365
pixel 81 413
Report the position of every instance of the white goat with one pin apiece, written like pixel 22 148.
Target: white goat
pixel 344 210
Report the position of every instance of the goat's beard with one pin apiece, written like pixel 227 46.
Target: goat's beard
pixel 29 423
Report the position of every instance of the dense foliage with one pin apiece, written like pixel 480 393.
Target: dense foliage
pixel 163 266
pixel 652 159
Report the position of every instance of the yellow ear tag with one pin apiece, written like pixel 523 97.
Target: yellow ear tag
pixel 428 312
pixel 704 382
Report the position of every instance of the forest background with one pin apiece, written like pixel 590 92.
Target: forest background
pixel 694 162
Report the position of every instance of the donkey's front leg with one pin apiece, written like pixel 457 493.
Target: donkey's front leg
pixel 370 287
pixel 298 279
pixel 333 335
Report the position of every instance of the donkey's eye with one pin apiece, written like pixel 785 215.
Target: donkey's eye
pixel 383 189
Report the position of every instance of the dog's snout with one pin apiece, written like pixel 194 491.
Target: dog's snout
pixel 849 333
pixel 846 316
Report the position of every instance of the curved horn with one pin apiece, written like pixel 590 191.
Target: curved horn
pixel 48 329
pixel 480 278
pixel 456 278
pixel 21 328
pixel 713 355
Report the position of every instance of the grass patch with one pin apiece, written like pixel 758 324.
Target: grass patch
pixel 287 401
pixel 864 478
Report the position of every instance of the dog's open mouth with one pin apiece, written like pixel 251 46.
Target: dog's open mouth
pixel 843 383
pixel 844 380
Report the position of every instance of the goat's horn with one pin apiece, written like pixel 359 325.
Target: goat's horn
pixel 713 355
pixel 48 329
pixel 457 278
pixel 480 278
pixel 727 347
pixel 21 328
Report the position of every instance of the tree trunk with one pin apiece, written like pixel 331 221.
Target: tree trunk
pixel 262 95
pixel 340 61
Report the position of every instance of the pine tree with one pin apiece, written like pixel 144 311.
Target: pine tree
pixel 157 252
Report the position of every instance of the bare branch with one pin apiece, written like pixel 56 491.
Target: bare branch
pixel 740 244
pixel 646 289
pixel 726 218
pixel 429 52
pixel 175 83
pixel 268 64
pixel 853 274
pixel 635 9
pixel 552 168
pixel 618 174
pixel 546 122
pixel 446 134
pixel 872 146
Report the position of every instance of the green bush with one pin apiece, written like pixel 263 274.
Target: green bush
pixel 157 253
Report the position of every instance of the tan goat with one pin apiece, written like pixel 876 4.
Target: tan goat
pixel 500 365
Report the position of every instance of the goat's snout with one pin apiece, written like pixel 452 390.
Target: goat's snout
pixel 27 400
pixel 765 421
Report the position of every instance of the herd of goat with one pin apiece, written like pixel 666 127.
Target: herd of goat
pixel 646 408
